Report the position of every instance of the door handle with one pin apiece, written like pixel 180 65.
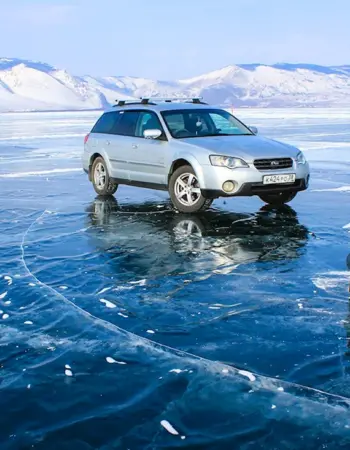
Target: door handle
pixel 135 146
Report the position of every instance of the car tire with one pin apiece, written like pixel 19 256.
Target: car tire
pixel 278 199
pixel 101 180
pixel 192 200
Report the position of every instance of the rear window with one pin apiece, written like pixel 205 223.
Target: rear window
pixel 106 123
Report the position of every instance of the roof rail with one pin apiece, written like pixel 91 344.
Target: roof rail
pixel 152 100
pixel 173 99
pixel 132 102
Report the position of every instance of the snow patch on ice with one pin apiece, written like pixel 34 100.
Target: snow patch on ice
pixel 8 279
pixel 247 374
pixel 28 322
pixel 103 290
pixel 170 429
pixel 5 316
pixel 138 283
pixel 3 295
pixel 38 172
pixel 108 303
pixel 338 189
pixel 111 360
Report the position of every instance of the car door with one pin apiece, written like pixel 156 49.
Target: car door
pixel 120 143
pixel 147 163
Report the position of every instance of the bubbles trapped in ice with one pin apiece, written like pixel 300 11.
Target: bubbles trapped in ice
pixel 68 373
pixel 63 287
pixel 273 407
pixel 67 366
pixel 28 322
pixel 8 302
pixel 150 331
pixel 123 315
pixel 31 284
pixel 3 295
pixel 5 316
pixel 225 371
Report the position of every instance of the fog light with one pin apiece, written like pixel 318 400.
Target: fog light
pixel 228 186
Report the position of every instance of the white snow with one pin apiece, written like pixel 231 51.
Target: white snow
pixel 111 360
pixel 165 424
pixel 8 279
pixel 23 87
pixel 108 303
pixel 37 173
pixel 5 316
pixel 247 374
pixel 28 322
pixel 3 295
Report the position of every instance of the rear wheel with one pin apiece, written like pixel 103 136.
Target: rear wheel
pixel 278 199
pixel 101 181
pixel 185 192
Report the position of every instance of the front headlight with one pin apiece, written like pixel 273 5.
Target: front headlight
pixel 301 158
pixel 227 161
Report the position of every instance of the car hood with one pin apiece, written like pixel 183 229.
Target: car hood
pixel 245 147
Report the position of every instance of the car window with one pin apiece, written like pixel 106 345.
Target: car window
pixel 106 123
pixel 225 124
pixel 191 123
pixel 147 121
pixel 126 126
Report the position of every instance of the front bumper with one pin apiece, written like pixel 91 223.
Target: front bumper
pixel 249 189
pixel 249 181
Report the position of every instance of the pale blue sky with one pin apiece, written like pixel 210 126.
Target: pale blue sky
pixel 173 39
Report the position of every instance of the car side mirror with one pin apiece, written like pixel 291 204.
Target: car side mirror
pixel 152 134
pixel 253 130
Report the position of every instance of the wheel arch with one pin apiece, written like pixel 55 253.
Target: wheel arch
pixel 93 157
pixel 188 160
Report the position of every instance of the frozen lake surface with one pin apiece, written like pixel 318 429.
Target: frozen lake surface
pixel 124 325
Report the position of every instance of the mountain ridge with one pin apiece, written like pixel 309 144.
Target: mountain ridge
pixel 34 85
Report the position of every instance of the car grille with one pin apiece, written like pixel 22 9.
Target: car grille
pixel 273 164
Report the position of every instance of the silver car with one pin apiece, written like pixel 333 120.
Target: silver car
pixel 195 151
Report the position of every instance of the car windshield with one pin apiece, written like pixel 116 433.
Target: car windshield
pixel 191 123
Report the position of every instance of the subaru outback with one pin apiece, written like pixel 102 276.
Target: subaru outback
pixel 193 150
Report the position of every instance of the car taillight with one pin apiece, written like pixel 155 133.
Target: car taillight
pixel 86 138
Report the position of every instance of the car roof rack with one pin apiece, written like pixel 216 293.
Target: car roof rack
pixel 197 100
pixel 133 102
pixel 155 100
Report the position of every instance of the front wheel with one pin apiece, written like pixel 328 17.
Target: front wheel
pixel 101 181
pixel 185 192
pixel 278 199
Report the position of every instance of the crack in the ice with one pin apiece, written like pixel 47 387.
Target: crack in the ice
pixel 112 327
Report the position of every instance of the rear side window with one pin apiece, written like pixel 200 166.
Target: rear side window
pixel 126 126
pixel 106 123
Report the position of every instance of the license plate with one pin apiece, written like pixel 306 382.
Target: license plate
pixel 276 179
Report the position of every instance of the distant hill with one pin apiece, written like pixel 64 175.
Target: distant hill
pixel 30 85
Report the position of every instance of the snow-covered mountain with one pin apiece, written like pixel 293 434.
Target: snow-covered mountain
pixel 29 85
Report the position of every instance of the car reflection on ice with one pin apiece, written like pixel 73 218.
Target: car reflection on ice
pixel 150 240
